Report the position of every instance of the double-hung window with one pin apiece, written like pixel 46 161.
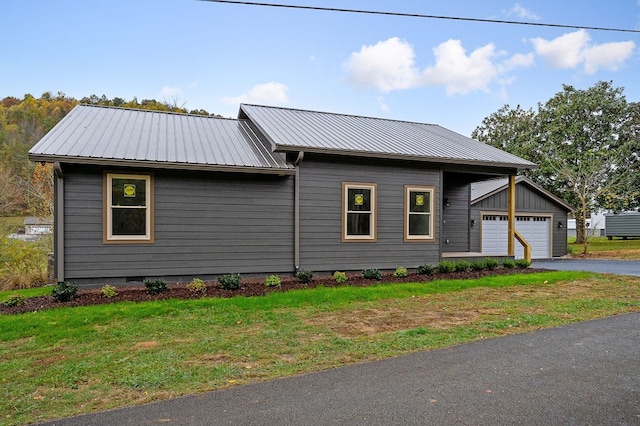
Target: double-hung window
pixel 128 208
pixel 419 207
pixel 359 212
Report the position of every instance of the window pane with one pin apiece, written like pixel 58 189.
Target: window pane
pixel 359 199
pixel 419 224
pixel 358 223
pixel 420 201
pixel 128 192
pixel 129 221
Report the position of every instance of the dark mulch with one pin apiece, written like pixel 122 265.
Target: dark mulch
pixel 248 288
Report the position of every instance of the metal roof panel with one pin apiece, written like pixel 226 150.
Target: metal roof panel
pixel 101 134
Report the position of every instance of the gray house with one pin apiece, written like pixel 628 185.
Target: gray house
pixel 148 194
pixel 541 218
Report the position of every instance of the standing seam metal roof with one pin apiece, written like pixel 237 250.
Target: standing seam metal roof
pixel 292 130
pixel 117 136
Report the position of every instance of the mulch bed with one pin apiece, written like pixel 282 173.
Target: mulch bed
pixel 248 288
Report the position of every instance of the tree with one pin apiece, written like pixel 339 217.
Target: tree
pixel 581 140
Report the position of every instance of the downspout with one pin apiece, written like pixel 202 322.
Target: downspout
pixel 296 212
pixel 58 217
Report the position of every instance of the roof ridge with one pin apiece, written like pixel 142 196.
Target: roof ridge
pixel 341 114
pixel 155 111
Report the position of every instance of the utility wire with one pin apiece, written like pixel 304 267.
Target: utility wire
pixel 419 15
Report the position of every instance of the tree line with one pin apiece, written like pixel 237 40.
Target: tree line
pixel 26 188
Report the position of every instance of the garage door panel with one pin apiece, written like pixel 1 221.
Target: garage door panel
pixel 535 229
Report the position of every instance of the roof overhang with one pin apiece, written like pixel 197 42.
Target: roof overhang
pixel 402 157
pixel 116 162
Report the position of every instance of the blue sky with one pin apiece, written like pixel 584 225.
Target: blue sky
pixel 214 56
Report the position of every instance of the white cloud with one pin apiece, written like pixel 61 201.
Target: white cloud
pixel 575 49
pixel 522 12
pixel 271 93
pixel 457 71
pixel 607 55
pixel 390 65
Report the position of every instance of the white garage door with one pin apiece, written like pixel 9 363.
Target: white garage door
pixel 535 229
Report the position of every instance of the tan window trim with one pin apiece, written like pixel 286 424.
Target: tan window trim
pixel 372 237
pixel 419 238
pixel 107 238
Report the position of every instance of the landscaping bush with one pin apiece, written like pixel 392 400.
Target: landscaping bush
pixel 522 263
pixel 426 269
pixel 479 265
pixel 272 281
pixel 401 273
pixel 372 274
pixel 155 286
pixel 340 277
pixel 491 264
pixel 508 263
pixel 64 292
pixel 304 277
pixel 462 266
pixel 108 291
pixel 14 300
pixel 446 266
pixel 197 286
pixel 230 281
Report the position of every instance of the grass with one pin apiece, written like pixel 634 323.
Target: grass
pixel 612 249
pixel 76 360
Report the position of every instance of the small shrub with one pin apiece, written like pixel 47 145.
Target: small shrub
pixel 340 277
pixel 462 266
pixel 508 263
pixel 230 281
pixel 491 263
pixel 304 277
pixel 155 286
pixel 522 263
pixel 426 269
pixel 479 265
pixel 401 273
pixel 14 300
pixel 197 286
pixel 446 266
pixel 108 291
pixel 64 292
pixel 372 274
pixel 272 281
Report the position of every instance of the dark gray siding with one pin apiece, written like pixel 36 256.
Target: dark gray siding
pixel 206 224
pixel 455 217
pixel 528 200
pixel 321 208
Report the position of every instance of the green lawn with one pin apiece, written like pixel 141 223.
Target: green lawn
pixel 614 249
pixel 76 360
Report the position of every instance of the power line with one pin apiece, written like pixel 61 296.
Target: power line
pixel 419 15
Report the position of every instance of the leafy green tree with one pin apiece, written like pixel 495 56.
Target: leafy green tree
pixel 582 141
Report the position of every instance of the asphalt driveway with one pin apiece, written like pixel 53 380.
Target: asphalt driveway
pixel 622 267
pixel 581 374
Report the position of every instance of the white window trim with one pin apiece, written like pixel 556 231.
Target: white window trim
pixel 108 236
pixel 407 211
pixel 345 205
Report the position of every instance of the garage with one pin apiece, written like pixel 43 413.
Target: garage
pixel 535 229
pixel 541 218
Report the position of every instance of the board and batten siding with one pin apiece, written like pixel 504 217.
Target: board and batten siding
pixel 206 224
pixel 528 201
pixel 321 245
